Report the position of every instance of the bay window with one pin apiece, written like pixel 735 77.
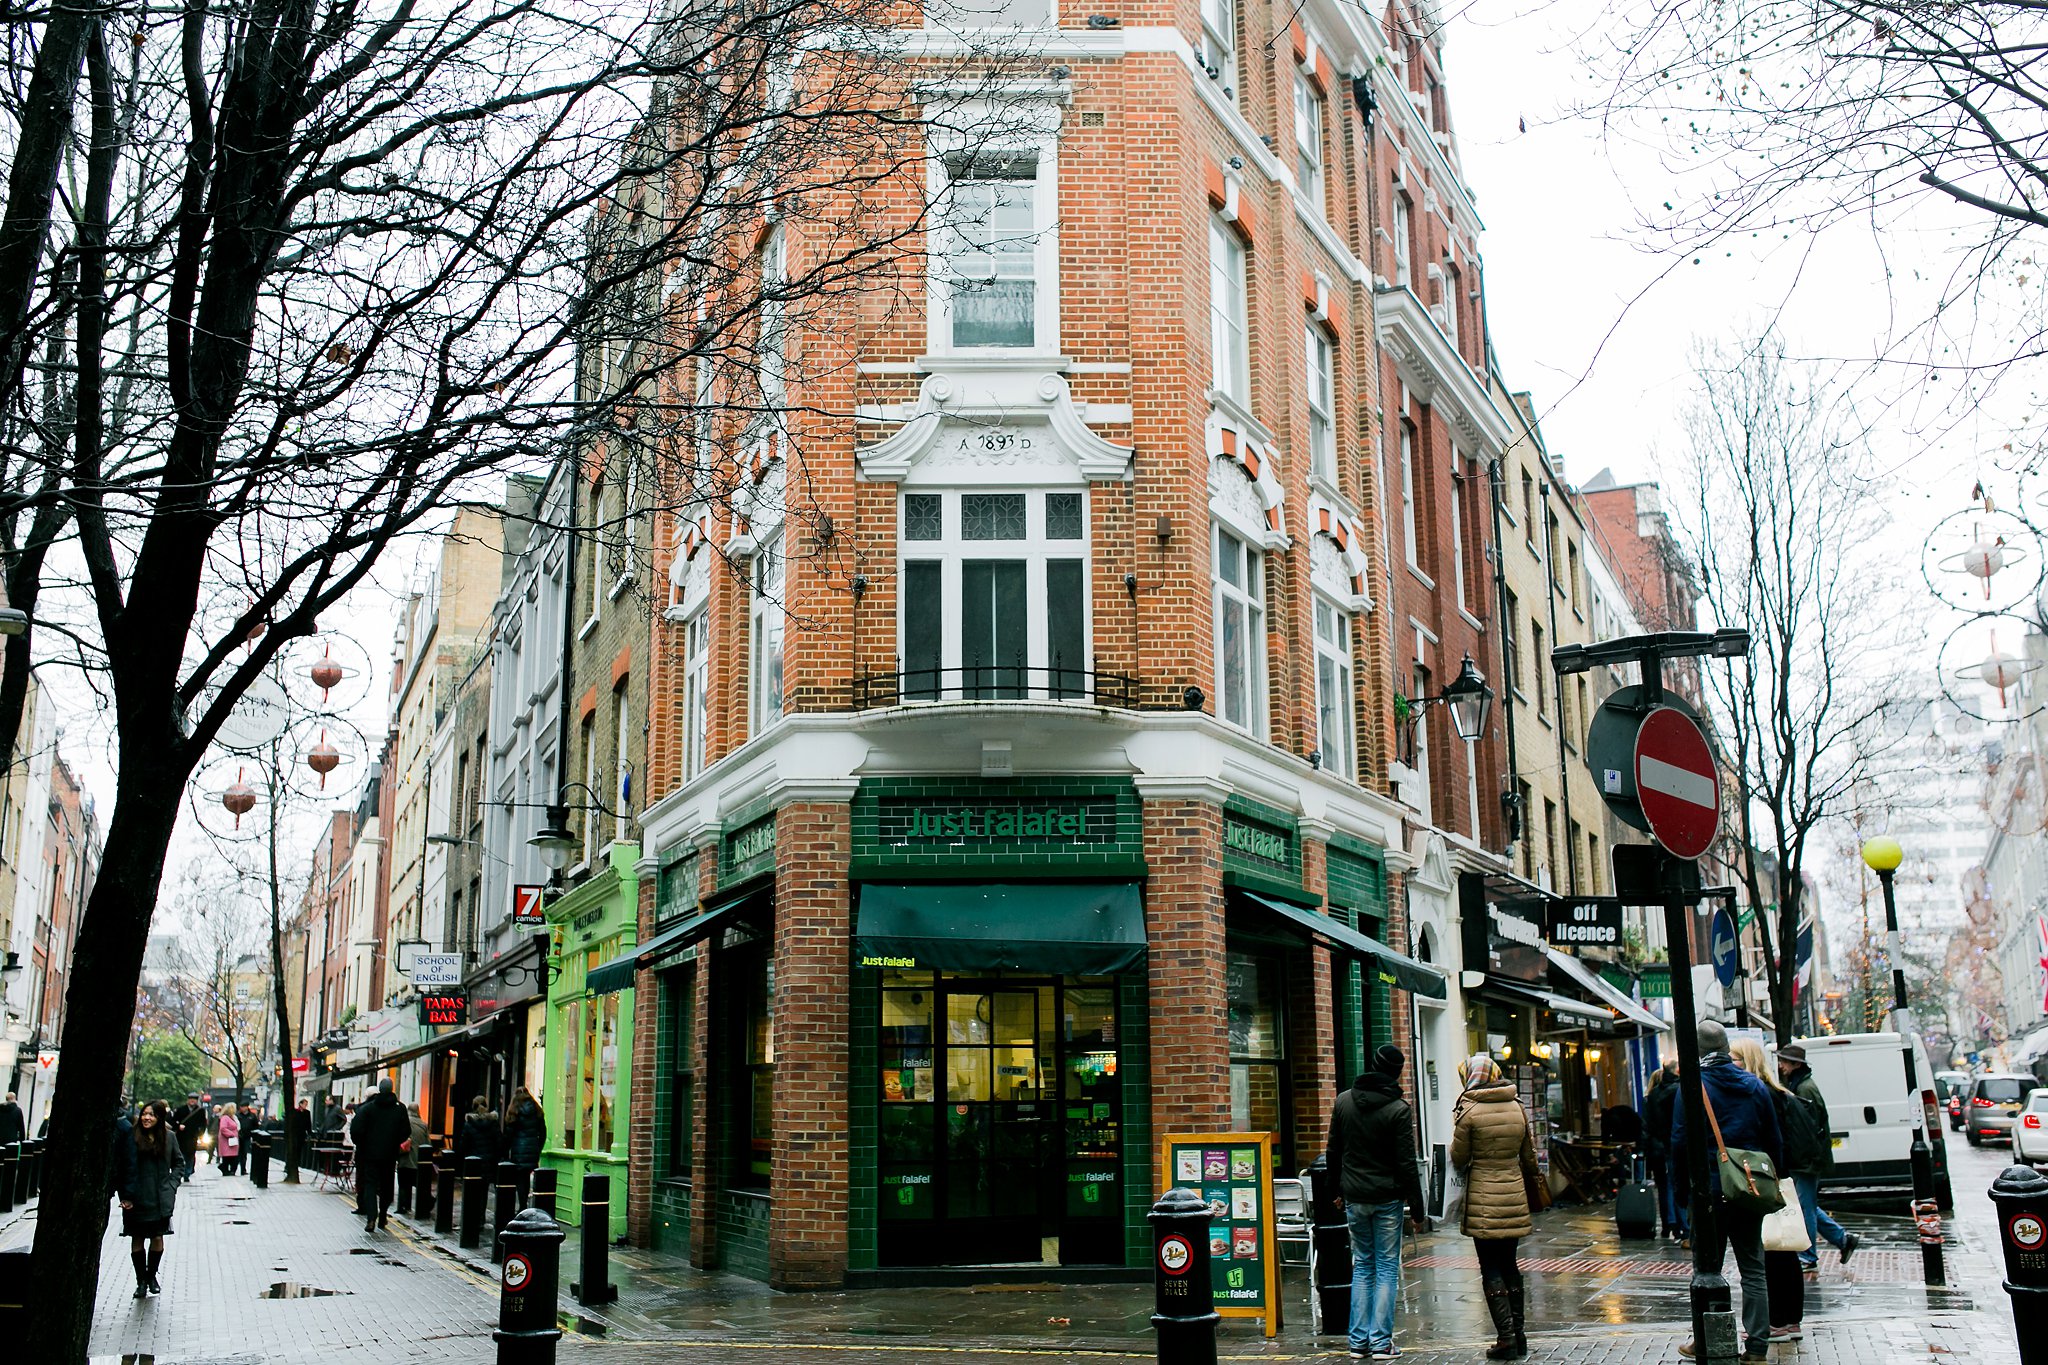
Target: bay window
pixel 994 598
pixel 1333 687
pixel 1240 633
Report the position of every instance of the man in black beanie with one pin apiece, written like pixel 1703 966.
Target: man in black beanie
pixel 1372 1154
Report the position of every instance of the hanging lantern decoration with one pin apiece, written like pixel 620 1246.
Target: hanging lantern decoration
pixel 240 799
pixel 323 759
pixel 1983 559
pixel 326 673
pixel 256 632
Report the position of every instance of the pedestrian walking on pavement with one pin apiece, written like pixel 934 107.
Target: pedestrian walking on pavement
pixel 1491 1142
pixel 409 1157
pixel 298 1136
pixel 1798 1078
pixel 331 1122
pixel 1672 1196
pixel 190 1123
pixel 228 1145
pixel 381 1132
pixel 1742 1108
pixel 1782 1276
pixel 1372 1152
pixel 481 1134
pixel 13 1123
pixel 147 1166
pixel 526 1129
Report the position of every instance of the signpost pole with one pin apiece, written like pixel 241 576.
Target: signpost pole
pixel 1713 1317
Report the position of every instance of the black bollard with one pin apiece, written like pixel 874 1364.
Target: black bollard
pixel 259 1158
pixel 474 1192
pixel 596 1285
pixel 444 1193
pixel 1183 1293
pixel 21 1154
pixel 7 1159
pixel 423 1186
pixel 544 1190
pixel 2021 1196
pixel 506 1204
pixel 527 1290
pixel 35 1166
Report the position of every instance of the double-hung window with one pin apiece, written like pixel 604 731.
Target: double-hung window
pixel 1322 404
pixel 696 688
pixel 1227 310
pixel 1308 140
pixel 994 595
pixel 995 244
pixel 1240 633
pixel 1458 531
pixel 774 324
pixel 767 622
pixel 1219 44
pixel 1409 538
pixel 1402 232
pixel 1333 687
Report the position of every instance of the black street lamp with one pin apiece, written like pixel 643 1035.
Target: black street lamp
pixel 1883 856
pixel 1468 698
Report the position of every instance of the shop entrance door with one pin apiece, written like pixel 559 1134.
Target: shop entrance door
pixel 1000 1137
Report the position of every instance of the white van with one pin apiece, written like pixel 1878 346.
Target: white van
pixel 1863 1078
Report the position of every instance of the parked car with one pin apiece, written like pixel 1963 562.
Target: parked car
pixel 1862 1076
pixel 2030 1136
pixel 1995 1104
pixel 1950 1088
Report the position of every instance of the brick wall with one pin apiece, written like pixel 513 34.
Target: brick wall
pixel 1185 962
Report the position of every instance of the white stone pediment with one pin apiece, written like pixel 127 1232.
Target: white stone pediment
pixel 963 430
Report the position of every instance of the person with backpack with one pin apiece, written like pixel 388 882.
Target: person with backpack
pixel 1372 1154
pixel 1798 1078
pixel 1740 1117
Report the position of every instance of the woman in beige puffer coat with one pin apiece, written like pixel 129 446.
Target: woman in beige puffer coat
pixel 1491 1143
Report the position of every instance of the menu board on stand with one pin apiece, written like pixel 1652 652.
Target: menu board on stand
pixel 1233 1172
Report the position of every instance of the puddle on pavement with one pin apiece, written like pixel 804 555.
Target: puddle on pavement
pixel 362 1251
pixel 290 1289
pixel 120 1360
pixel 572 1322
pixel 237 1222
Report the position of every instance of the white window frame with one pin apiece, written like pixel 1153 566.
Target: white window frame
pixel 590 810
pixel 696 688
pixel 1229 312
pixel 1218 52
pixel 1322 403
pixel 1309 120
pixel 1411 543
pixel 772 346
pixel 1251 597
pixel 1458 532
pixel 1451 290
pixel 1036 550
pixel 1334 650
pixel 1404 229
pixel 622 691
pixel 767 580
pixel 946 18
pixel 1035 139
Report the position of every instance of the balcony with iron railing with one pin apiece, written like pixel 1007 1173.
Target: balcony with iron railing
pixel 1013 681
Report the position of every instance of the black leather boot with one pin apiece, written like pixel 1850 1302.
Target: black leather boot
pixel 1521 1337
pixel 156 1258
pixel 1503 1314
pixel 141 1274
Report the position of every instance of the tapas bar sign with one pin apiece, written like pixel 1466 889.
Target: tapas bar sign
pixel 444 1009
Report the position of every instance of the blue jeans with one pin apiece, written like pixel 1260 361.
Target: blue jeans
pixel 1671 1193
pixel 1375 1272
pixel 1818 1224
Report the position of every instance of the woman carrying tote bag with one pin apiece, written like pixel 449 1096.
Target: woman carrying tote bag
pixel 1491 1143
pixel 1784 1231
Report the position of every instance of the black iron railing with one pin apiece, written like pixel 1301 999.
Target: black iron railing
pixel 1014 681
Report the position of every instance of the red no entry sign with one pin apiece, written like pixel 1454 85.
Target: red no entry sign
pixel 1677 784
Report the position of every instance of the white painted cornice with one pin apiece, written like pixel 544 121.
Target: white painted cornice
pixel 987 399
pixel 1432 368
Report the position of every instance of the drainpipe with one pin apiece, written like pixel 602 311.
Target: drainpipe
pixel 1511 799
pixel 1564 784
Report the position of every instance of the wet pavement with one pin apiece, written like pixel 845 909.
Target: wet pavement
pixel 288 1277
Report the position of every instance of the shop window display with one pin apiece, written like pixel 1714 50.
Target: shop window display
pixel 1257 1049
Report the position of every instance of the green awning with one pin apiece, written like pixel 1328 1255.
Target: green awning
pixel 1396 969
pixel 1059 928
pixel 617 974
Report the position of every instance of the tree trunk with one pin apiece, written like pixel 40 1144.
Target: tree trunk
pixel 99 1010
pixel 289 1080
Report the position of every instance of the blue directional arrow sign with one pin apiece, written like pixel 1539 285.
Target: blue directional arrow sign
pixel 1721 945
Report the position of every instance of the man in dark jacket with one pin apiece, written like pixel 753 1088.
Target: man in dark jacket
pixel 1672 1199
pixel 1372 1154
pixel 13 1123
pixel 381 1128
pixel 1747 1118
pixel 298 1137
pixel 190 1120
pixel 1797 1077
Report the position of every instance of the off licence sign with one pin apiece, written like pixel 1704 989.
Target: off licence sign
pixel 1676 783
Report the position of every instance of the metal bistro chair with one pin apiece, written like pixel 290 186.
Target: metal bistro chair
pixel 1293 1220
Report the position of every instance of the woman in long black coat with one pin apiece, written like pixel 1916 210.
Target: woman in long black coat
pixel 149 1164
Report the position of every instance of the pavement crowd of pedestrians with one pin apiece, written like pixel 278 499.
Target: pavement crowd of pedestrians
pixel 288 1276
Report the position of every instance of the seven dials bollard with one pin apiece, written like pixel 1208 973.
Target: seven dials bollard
pixel 2021 1196
pixel 33 1153
pixel 474 1192
pixel 594 1283
pixel 423 1185
pixel 1184 1304
pixel 527 1290
pixel 8 1155
pixel 505 1204
pixel 259 1158
pixel 444 1193
pixel 544 1190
